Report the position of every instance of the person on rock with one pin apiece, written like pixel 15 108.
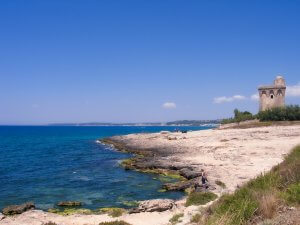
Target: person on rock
pixel 204 179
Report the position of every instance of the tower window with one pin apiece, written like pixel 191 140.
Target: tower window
pixel 272 96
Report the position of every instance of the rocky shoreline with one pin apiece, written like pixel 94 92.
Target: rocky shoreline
pixel 155 160
pixel 231 157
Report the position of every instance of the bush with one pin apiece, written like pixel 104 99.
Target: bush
pixel 288 113
pixel 115 223
pixel 239 117
pixel 200 198
pixel 176 218
pixel 292 194
pixel 49 223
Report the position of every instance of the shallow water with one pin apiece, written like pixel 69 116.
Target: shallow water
pixel 48 164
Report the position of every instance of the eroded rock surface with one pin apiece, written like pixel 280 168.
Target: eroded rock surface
pixel 183 185
pixel 18 209
pixel 155 205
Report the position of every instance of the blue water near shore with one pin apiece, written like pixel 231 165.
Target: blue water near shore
pixel 48 164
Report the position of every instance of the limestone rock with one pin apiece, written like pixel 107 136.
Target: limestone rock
pixel 155 205
pixel 189 173
pixel 181 186
pixel 69 203
pixel 1 216
pixel 18 209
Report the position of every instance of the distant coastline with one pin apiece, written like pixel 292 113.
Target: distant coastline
pixel 201 123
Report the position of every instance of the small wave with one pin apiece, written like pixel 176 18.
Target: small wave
pixel 82 178
pixel 107 146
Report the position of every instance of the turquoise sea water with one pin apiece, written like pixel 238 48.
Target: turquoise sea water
pixel 48 164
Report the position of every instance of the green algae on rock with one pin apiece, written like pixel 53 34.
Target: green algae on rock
pixel 113 212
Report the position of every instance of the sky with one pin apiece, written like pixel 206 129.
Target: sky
pixel 143 61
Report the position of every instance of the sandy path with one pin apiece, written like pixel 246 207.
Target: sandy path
pixel 233 156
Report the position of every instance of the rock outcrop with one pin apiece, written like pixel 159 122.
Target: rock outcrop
pixel 189 173
pixel 158 161
pixel 69 203
pixel 182 186
pixel 18 209
pixel 155 205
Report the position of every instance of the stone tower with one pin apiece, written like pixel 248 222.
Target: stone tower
pixel 271 96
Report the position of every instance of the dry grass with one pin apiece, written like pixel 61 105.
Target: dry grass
pixel 268 204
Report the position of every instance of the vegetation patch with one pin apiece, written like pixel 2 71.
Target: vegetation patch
pixel 169 174
pixel 200 198
pixel 130 203
pixel 287 113
pixel 292 194
pixel 113 212
pixel 176 218
pixel 71 211
pixel 196 218
pixel 121 222
pixel 53 210
pixel 260 197
pixel 220 183
pixel 239 117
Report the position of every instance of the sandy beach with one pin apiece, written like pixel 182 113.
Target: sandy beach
pixel 233 156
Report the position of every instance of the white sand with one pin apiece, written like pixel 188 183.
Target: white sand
pixel 233 156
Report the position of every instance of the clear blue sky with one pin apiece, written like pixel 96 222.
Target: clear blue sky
pixel 120 61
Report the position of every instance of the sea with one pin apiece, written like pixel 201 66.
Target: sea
pixel 48 164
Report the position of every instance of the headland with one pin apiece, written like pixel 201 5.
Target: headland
pixel 229 156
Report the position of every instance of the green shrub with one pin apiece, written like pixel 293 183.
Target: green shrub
pixel 239 117
pixel 200 198
pixel 241 206
pixel 121 222
pixel 49 223
pixel 292 194
pixel 176 218
pixel 287 113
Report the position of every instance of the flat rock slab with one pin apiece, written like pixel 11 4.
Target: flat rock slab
pixel 18 209
pixel 189 173
pixel 155 205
